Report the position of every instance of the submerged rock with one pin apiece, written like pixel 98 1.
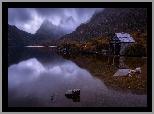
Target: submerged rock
pixel 52 97
pixel 72 93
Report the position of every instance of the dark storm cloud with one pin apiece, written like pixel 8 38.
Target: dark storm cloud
pixel 62 11
pixel 81 11
pixel 30 19
pixel 19 14
pixel 49 11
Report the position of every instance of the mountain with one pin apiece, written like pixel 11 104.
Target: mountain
pixel 103 24
pixel 50 31
pixel 47 31
pixel 17 37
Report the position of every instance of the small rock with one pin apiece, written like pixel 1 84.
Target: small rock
pixel 52 97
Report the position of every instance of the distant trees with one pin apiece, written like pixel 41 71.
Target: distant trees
pixel 92 46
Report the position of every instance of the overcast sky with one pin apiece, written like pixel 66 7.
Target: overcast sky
pixel 30 19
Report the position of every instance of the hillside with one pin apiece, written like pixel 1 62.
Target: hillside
pixel 17 37
pixel 109 21
pixel 46 32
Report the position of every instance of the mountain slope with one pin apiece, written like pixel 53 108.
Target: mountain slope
pixel 50 31
pixel 17 37
pixel 107 22
pixel 47 31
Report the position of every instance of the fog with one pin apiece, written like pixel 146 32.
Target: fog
pixel 30 19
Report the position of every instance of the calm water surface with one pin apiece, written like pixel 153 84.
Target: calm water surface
pixel 35 74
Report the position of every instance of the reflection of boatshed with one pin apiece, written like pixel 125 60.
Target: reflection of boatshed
pixel 121 63
pixel 118 42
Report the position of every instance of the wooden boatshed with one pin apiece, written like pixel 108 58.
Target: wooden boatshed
pixel 118 42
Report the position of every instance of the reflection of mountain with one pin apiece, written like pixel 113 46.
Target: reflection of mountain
pixel 15 55
pixel 75 99
pixel 104 68
pixel 99 66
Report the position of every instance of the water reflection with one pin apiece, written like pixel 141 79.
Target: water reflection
pixel 73 94
pixel 24 72
pixel 104 67
pixel 34 75
pixel 74 99
pixel 121 63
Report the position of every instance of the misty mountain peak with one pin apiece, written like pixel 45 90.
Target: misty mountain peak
pixel 46 21
pixel 67 20
pixel 51 31
pixel 48 24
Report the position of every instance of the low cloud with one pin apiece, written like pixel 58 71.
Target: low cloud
pixel 30 19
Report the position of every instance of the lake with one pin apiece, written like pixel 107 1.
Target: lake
pixel 35 74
